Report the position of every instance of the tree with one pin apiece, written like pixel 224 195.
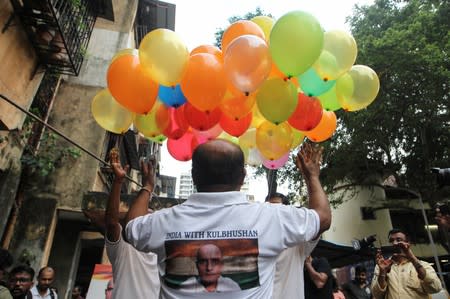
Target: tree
pixel 406 131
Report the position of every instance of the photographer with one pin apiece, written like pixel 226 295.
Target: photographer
pixel 403 275
pixel 442 215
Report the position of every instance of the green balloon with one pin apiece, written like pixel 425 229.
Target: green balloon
pixel 296 41
pixel 329 100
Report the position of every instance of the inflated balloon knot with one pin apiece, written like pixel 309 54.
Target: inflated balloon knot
pixel 325 79
pixel 310 94
pixel 236 118
pixel 246 93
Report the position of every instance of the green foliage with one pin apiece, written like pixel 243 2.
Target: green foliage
pixel 248 16
pixel 51 152
pixel 405 131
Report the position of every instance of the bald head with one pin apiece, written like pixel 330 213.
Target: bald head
pixel 217 166
pixel 45 278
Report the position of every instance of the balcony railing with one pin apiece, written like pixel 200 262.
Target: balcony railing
pixel 59 30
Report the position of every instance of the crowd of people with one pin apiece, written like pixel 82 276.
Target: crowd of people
pixel 218 245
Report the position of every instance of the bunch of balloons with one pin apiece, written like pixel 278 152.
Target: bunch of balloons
pixel 271 84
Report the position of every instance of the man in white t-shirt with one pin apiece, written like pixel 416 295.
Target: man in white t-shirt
pixel 250 235
pixel 42 289
pixel 289 278
pixel 135 273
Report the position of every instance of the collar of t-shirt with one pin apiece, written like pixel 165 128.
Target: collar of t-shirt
pixel 216 199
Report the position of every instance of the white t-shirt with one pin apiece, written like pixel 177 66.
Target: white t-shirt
pixel 289 271
pixel 135 273
pixel 249 235
pixel 34 291
pixel 224 284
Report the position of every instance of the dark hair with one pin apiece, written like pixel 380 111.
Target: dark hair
pixel 45 268
pixel 217 162
pixel 79 287
pixel 21 269
pixel 284 198
pixel 398 230
pixel 360 269
pixel 6 259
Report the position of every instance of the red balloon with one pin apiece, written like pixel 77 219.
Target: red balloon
pixel 182 148
pixel 178 124
pixel 308 113
pixel 201 120
pixel 236 127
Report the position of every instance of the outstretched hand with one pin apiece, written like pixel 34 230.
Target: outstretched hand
pixel 119 172
pixel 308 160
pixel 148 172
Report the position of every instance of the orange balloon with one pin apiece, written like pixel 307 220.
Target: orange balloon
pixel 203 83
pixel 207 49
pixel 240 28
pixel 238 106
pixel 325 129
pixel 130 85
pixel 247 62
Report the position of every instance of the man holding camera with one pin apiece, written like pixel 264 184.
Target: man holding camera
pixel 403 275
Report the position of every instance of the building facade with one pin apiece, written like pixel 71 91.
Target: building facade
pixel 55 55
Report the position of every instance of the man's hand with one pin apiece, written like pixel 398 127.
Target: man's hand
pixel 383 264
pixel 148 172
pixel 308 160
pixel 119 172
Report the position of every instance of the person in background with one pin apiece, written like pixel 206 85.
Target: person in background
pixel 6 261
pixel 290 263
pixel 21 281
pixel 77 292
pixel 358 288
pixel 403 275
pixel 337 292
pixel 318 278
pixel 42 289
pixel 135 273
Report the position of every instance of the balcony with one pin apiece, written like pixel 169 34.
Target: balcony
pixel 59 30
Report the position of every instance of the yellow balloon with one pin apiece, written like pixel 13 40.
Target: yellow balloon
pixel 338 54
pixel 257 118
pixel 273 141
pixel 266 24
pixel 277 99
pixel 297 138
pixel 164 55
pixel 123 52
pixel 226 136
pixel 248 139
pixel 357 88
pixel 155 122
pixel 109 114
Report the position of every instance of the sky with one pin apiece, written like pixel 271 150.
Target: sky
pixel 196 22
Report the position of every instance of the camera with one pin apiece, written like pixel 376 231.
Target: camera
pixel 442 176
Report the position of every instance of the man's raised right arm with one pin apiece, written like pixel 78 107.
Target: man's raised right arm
pixel 308 162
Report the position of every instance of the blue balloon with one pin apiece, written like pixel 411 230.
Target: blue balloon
pixel 312 85
pixel 171 96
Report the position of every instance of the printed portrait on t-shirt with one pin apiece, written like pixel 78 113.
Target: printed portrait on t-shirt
pixel 212 261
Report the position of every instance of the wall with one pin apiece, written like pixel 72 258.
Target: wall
pixel 16 71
